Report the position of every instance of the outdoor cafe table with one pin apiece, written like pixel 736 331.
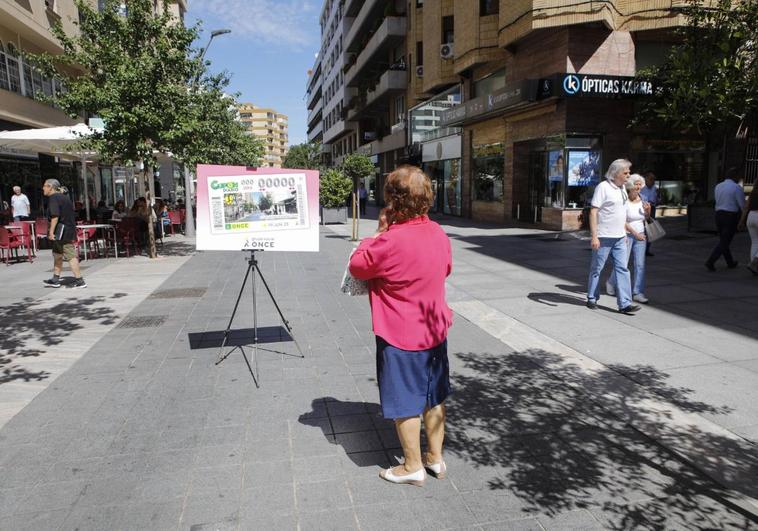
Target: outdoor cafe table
pixel 107 226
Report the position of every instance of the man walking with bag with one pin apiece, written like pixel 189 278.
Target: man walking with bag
pixel 730 200
pixel 62 234
pixel 608 229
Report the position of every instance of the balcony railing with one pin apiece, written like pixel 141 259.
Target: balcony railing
pixel 390 33
pixel 391 82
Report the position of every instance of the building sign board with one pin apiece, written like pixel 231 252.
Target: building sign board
pixel 603 86
pixel 500 99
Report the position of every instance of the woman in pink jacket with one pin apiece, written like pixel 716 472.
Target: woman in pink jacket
pixel 406 263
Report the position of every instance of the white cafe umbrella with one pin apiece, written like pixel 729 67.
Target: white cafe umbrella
pixel 61 141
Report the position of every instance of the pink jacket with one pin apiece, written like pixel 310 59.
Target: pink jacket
pixel 406 268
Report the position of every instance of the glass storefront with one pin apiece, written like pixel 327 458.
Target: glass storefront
pixel 446 185
pixel 488 162
pixel 680 168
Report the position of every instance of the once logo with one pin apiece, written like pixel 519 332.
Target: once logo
pixel 215 185
pixel 571 84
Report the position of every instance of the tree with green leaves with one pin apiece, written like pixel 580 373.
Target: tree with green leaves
pixel 709 81
pixel 303 156
pixel 334 188
pixel 356 166
pixel 138 71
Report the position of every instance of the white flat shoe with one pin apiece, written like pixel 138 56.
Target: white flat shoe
pixel 416 478
pixel 438 470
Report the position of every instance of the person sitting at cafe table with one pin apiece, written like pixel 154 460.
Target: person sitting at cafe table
pixel 102 211
pixel 161 212
pixel 119 211
pixel 140 211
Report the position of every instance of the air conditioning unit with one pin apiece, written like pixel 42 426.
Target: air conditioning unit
pixel 447 51
pixel 420 71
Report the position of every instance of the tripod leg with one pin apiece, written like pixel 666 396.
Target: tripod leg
pixel 254 267
pixel 219 357
pixel 284 321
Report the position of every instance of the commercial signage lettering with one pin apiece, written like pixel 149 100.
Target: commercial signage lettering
pixel 588 85
pixel 500 99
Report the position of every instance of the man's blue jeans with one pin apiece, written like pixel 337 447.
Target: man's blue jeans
pixel 616 248
pixel 636 251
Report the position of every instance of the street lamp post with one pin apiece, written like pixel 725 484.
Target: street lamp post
pixel 189 219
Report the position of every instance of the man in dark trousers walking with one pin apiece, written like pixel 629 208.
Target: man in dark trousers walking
pixel 62 234
pixel 730 200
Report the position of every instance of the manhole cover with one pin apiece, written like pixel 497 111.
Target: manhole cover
pixel 178 293
pixel 143 321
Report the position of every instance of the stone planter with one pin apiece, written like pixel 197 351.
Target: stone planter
pixel 333 215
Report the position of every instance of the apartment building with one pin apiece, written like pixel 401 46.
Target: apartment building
pixel 539 97
pixel 514 108
pixel 327 95
pixel 271 127
pixel 25 27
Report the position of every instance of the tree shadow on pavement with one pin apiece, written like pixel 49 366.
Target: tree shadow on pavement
pixel 176 248
pixel 533 425
pixel 28 327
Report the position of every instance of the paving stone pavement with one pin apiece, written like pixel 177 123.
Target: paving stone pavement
pixel 145 432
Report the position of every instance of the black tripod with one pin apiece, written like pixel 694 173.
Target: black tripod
pixel 252 266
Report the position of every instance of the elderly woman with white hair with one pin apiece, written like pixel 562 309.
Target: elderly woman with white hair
pixel 636 212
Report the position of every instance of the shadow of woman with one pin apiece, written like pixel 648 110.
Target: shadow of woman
pixel 366 438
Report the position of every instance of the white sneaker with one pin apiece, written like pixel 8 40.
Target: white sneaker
pixel 640 297
pixel 609 289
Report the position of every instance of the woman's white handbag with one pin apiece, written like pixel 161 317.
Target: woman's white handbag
pixel 351 285
pixel 654 230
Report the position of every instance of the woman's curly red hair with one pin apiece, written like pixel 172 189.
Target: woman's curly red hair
pixel 408 194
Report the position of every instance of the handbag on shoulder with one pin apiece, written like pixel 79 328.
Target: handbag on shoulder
pixel 351 285
pixel 654 230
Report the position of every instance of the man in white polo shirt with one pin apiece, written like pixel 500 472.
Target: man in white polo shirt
pixel 607 226
pixel 20 204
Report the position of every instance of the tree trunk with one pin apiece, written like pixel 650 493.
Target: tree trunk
pixel 355 224
pixel 147 173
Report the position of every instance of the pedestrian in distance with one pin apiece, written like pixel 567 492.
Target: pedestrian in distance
pixel 406 263
pixel 62 234
pixel 750 220
pixel 20 204
pixel 730 201
pixel 636 213
pixel 608 236
pixel 649 194
pixel 362 198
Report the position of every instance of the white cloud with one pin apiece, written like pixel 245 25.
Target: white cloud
pixel 278 23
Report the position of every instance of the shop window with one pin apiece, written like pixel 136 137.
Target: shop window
pixel 489 7
pixel 490 83
pixel 556 170
pixel 448 31
pixel 584 170
pixel 488 161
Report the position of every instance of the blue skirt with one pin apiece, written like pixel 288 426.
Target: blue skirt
pixel 411 380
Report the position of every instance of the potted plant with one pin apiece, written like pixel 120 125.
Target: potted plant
pixel 334 189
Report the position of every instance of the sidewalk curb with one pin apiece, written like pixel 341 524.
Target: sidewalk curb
pixel 521 337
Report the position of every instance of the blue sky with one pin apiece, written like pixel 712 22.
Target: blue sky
pixel 268 53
